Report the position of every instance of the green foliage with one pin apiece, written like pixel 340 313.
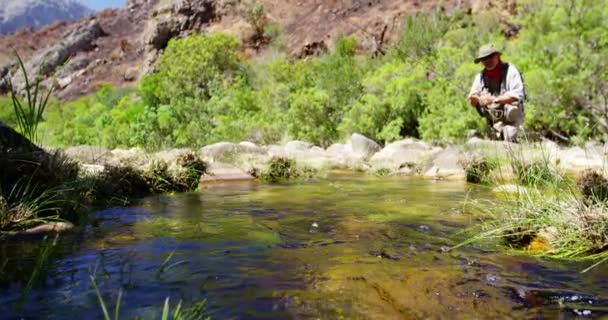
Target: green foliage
pixel 391 104
pixel 7 113
pixel 203 92
pixel 29 113
pixel 561 50
pixel 194 67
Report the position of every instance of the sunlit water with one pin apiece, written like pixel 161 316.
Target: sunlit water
pixel 351 247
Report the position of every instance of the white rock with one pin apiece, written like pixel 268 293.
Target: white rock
pixel 397 154
pixel 296 146
pixel 445 164
pixel 223 173
pixel 576 158
pixel 363 146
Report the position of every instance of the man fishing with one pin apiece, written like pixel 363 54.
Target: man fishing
pixel 498 94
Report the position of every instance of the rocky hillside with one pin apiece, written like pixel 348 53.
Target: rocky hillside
pixel 117 45
pixel 16 14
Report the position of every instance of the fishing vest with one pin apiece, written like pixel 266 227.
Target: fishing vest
pixel 496 87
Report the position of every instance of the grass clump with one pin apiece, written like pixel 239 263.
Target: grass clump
pixel 538 172
pixel 281 169
pixel 593 186
pixel 29 115
pixel 562 226
pixel 478 169
pixel 190 169
pixel 158 177
pixel 382 172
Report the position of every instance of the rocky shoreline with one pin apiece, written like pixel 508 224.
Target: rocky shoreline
pixel 408 157
pixel 227 162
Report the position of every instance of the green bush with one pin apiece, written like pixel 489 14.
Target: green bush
pixel 391 105
pixel 194 67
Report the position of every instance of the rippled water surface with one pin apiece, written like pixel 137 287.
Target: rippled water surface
pixel 351 247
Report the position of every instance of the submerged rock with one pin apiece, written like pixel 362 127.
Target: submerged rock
pixel 42 230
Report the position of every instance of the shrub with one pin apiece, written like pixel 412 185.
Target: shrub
pixel 391 105
pixel 195 66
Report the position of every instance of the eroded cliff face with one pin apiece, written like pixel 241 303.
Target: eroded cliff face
pixel 118 45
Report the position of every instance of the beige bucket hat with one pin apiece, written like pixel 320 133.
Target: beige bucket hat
pixel 485 51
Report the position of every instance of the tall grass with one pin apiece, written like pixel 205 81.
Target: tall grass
pixel 198 311
pixel 30 114
pixel 555 216
pixel 47 250
pixel 561 226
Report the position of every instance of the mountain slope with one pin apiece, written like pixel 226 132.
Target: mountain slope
pixel 15 14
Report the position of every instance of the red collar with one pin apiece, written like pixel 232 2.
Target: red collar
pixel 494 73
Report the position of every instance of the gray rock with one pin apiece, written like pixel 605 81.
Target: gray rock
pixel 43 229
pixel 64 82
pixel 445 164
pixel 90 154
pixel 174 18
pixel 72 66
pixel 224 173
pixel 91 169
pixel 223 150
pixel 363 146
pixel 297 146
pixel 401 153
pixel 577 158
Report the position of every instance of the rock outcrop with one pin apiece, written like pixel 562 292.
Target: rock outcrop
pixel 81 38
pixel 173 19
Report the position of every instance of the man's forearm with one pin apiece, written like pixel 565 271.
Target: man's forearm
pixel 504 99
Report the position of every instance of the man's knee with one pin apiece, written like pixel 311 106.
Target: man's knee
pixel 510 133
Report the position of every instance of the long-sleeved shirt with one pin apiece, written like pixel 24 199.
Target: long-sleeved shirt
pixel 514 86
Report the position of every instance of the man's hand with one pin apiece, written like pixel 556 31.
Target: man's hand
pixel 474 100
pixel 486 100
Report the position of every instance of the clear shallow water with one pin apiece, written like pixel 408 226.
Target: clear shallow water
pixel 352 247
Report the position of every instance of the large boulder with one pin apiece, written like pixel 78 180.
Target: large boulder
pixel 223 173
pixel 20 158
pixel 404 153
pixel 577 159
pixel 90 154
pixel 363 147
pixel 229 150
pixel 12 142
pixel 307 154
pixel 446 164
